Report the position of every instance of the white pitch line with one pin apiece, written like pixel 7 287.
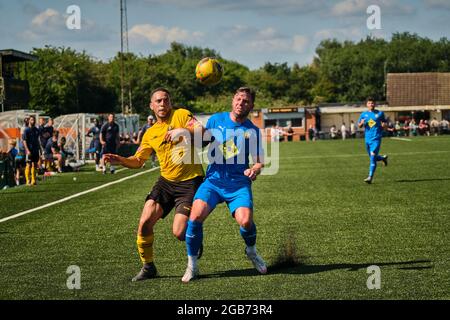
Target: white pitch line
pixel 363 155
pixel 83 192
pixel 401 139
pixel 76 195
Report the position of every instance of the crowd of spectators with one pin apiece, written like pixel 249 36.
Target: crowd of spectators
pixel 39 150
pixel 407 128
pixel 410 128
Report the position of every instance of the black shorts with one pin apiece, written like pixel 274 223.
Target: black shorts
pixel 32 157
pixel 175 194
pixel 109 148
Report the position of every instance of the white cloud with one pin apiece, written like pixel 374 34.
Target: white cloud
pixel 339 33
pixel 50 25
pixel 162 34
pixel 48 19
pixel 267 39
pixel 347 8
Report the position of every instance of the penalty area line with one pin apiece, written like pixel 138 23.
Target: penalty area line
pixel 17 215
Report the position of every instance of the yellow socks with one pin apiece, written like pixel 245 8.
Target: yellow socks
pixel 33 175
pixel 145 248
pixel 27 173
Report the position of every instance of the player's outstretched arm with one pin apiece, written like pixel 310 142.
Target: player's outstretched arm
pixel 130 162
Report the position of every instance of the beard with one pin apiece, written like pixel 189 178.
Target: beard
pixel 241 115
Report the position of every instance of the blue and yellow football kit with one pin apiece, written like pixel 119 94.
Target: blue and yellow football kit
pixel 373 125
pixel 232 145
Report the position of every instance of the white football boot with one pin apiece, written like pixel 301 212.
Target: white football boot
pixel 190 274
pixel 256 259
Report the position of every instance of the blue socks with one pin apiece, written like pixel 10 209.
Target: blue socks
pixel 373 164
pixel 194 237
pixel 249 236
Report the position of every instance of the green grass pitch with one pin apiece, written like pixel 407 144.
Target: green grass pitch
pixel 317 205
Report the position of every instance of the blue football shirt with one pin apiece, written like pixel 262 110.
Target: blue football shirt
pixel 373 124
pixel 232 143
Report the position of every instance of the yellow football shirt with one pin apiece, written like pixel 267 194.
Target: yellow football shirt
pixel 178 160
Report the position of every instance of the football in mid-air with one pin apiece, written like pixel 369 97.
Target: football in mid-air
pixel 209 71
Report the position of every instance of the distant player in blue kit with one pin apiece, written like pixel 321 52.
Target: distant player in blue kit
pixel 373 121
pixel 233 139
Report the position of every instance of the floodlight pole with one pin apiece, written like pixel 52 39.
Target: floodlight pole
pixel 121 54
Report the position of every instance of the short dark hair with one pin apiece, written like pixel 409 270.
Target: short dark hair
pixel 159 89
pixel 370 99
pixel 248 90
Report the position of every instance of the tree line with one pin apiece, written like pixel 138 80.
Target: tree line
pixel 64 81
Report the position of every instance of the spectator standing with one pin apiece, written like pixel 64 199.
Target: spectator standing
pixel 434 124
pixel 109 138
pixel 444 126
pixel 12 153
pixel 398 129
pixel 145 127
pixel 343 131
pixel 352 129
pixel 290 133
pixel 413 128
pixel 311 133
pixel 426 128
pixel 333 132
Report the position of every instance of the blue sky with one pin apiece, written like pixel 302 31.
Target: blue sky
pixel 251 32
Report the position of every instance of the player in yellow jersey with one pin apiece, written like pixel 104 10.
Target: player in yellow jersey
pixel 179 180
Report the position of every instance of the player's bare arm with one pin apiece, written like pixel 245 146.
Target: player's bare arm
pixel 102 142
pixel 361 123
pixel 130 162
pixel 27 151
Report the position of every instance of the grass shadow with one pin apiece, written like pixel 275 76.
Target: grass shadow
pixel 301 268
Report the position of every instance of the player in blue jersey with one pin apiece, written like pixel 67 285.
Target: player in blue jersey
pixel 373 121
pixel 233 139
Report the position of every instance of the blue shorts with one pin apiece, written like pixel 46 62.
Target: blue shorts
pixel 235 196
pixel 373 146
